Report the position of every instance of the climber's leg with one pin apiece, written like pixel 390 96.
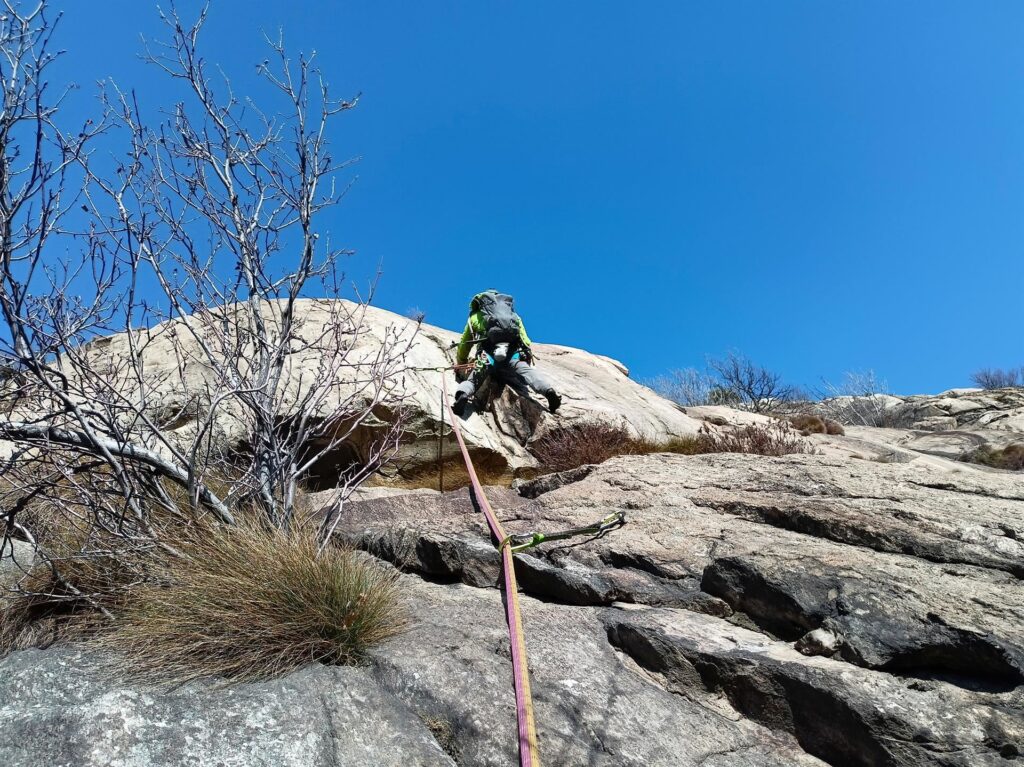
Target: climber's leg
pixel 521 375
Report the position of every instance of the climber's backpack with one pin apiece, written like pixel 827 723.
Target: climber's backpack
pixel 501 323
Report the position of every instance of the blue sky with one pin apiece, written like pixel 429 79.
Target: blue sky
pixel 824 186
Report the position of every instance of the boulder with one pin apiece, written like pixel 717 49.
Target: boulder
pixel 593 387
pixel 954 409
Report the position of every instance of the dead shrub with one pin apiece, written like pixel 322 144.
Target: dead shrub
pixel 183 596
pixel 1010 457
pixel 251 602
pixel 64 596
pixel 571 446
pixel 996 378
pixel 566 447
pixel 808 423
pixel 773 440
pixel 834 428
pixel 83 570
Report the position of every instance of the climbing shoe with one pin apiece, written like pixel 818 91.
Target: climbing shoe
pixel 554 401
pixel 461 402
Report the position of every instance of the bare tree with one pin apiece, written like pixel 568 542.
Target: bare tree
pixel 752 386
pixel 995 378
pixel 193 240
pixel 687 386
pixel 860 399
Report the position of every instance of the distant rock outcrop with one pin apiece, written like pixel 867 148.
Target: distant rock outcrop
pixel 1001 409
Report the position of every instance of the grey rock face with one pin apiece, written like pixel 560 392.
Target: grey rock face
pixel 57 709
pixel 594 705
pixel 803 610
pixel 15 559
pixel 908 576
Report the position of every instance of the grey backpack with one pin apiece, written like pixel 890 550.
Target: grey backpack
pixel 500 319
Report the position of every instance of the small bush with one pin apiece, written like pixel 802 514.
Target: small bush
pixel 808 424
pixel 743 382
pixel 688 387
pixel 243 602
pixel 250 602
pixel 567 447
pixel 774 440
pixel 86 571
pixel 861 399
pixel 1010 457
pixel 994 378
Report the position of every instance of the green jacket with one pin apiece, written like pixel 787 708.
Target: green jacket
pixel 475 331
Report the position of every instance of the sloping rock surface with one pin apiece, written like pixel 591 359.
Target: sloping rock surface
pixel 810 609
pixel 593 387
pixel 58 710
pixel 872 611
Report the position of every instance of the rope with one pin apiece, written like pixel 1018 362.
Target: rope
pixel 529 755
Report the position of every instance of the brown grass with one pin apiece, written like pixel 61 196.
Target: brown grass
pixel 241 602
pixel 807 424
pixel 774 440
pixel 1010 457
pixel 86 571
pixel 567 447
pixel 250 602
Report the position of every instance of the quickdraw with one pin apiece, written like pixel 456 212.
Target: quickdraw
pixel 521 541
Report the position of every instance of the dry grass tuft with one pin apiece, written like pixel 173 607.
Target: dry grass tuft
pixel 774 440
pixel 570 446
pixel 182 596
pixel 444 733
pixel 250 602
pixel 1010 457
pixel 86 573
pixel 808 424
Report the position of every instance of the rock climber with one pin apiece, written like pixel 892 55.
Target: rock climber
pixel 504 352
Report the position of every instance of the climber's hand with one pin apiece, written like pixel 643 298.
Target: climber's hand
pixel 526 355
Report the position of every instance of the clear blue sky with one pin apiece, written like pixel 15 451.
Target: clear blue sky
pixel 826 186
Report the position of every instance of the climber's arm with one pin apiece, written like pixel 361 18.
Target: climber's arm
pixel 525 341
pixel 465 344
pixel 523 338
